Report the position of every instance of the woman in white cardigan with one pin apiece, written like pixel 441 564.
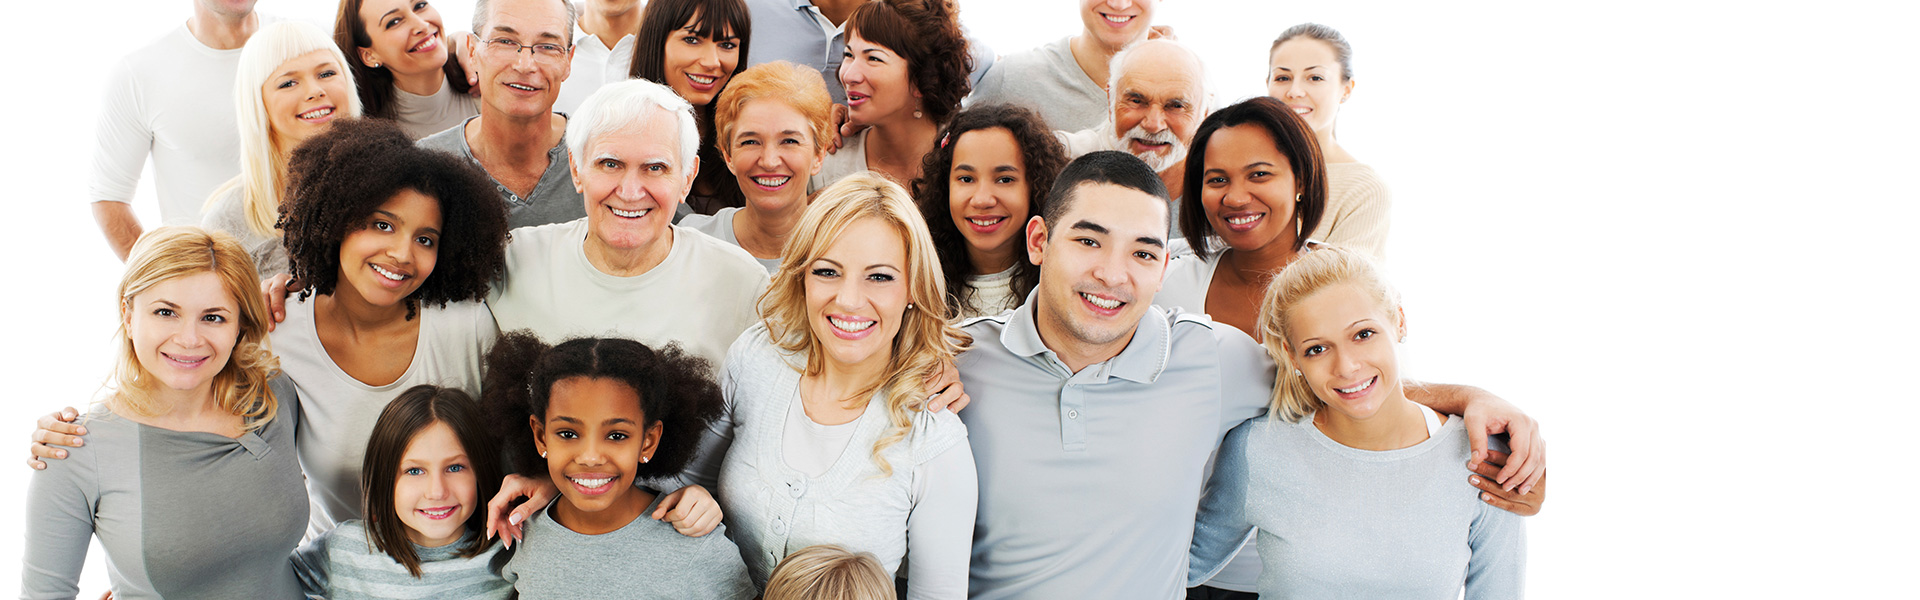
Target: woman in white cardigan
pixel 826 439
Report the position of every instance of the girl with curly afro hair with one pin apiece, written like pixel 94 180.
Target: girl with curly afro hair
pixel 395 248
pixel 989 175
pixel 905 69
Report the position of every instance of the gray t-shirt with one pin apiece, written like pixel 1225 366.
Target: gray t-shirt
pixel 554 200
pixel 647 559
pixel 1340 522
pixel 228 214
pixel 720 226
pixel 342 564
pixel 1047 80
pixel 181 514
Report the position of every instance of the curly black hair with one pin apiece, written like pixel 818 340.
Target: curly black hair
pixel 676 390
pixel 926 33
pixel 335 181
pixel 1042 157
pixel 1291 136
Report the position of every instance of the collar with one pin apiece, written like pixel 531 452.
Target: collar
pixel 1142 361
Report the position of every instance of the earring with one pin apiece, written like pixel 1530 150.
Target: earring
pixel 909 306
pixel 1296 373
pixel 916 114
pixel 643 459
pixel 543 454
pixel 373 64
pixel 1299 197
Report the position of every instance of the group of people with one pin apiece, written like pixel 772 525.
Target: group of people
pixel 618 297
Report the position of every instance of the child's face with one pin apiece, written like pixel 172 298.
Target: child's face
pixel 594 437
pixel 435 490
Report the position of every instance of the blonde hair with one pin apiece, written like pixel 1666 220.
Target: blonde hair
pixel 798 87
pixel 925 341
pixel 263 164
pixel 829 572
pixel 166 253
pixel 1320 269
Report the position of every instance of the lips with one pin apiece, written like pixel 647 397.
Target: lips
pixel 317 115
pixel 1118 21
pixel 427 45
pixel 856 98
pixel 437 514
pixel 1240 222
pixel 522 87
pixel 186 361
pixel 1358 390
pixel 1102 304
pixel 593 484
pixel 1301 110
pixel 703 83
pixel 986 223
pixel 850 327
pixel 771 182
pixel 630 214
pixel 1140 145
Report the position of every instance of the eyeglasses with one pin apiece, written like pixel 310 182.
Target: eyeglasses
pixel 504 48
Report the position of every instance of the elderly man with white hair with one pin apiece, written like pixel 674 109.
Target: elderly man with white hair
pixel 625 269
pixel 1157 95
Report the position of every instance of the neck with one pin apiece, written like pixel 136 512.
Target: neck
pixel 1092 56
pixel 609 24
pixel 837 10
pixel 221 31
pixel 841 383
pixel 184 406
pixel 1398 424
pixel 988 262
pixel 624 510
pixel 1259 265
pixel 1330 148
pixel 496 136
pixel 1076 354
pixel 347 309
pixel 764 234
pixel 903 136
pixel 419 84
pixel 1172 176
pixel 628 262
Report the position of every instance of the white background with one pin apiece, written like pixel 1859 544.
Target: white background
pixel 1670 231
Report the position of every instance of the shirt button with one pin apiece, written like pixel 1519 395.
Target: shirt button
pixel 1073 414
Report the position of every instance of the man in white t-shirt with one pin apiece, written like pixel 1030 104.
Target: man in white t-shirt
pixel 1158 90
pixel 173 99
pixel 1066 80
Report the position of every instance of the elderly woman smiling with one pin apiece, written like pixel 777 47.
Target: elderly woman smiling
pixel 773 121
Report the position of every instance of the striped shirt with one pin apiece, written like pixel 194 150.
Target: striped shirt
pixel 343 564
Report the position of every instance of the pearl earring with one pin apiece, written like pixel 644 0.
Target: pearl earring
pixel 909 306
pixel 916 114
pixel 543 454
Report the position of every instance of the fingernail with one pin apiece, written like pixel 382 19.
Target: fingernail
pixel 83 431
pixel 1486 496
pixel 514 519
pixel 1527 489
pixel 1473 464
pixel 1475 479
pixel 60 453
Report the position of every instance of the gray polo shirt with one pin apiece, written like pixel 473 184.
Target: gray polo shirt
pixel 1089 481
pixel 796 32
pixel 553 199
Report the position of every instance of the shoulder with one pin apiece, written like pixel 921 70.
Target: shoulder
pixel 1356 178
pixel 224 206
pixel 539 237
pixel 452 140
pixel 754 351
pixel 719 261
pixel 934 433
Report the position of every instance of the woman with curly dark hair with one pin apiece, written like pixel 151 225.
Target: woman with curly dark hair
pixel 905 70
pixel 594 415
pixel 696 47
pixel 396 246
pixel 989 175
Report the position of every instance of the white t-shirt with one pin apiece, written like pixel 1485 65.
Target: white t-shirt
pixel 594 65
pixel 172 98
pixel 720 226
pixel 702 296
pixel 422 116
pixel 337 412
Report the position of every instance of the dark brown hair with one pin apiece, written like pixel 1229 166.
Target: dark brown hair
pixel 376 83
pixel 927 34
pixel 1041 157
pixel 1291 136
pixel 337 179
pixel 412 412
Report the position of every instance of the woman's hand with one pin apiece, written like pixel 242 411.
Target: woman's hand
pixel 691 510
pixel 1487 415
pixel 945 389
pixel 57 429
pixel 538 493
pixel 275 291
pixel 1523 504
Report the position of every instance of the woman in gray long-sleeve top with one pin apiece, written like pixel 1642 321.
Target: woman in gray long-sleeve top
pixel 1354 489
pixel 189 476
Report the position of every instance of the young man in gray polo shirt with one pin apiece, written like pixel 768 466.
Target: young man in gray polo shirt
pixel 1099 412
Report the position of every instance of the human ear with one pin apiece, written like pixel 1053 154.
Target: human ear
pixel 650 441
pixel 539 434
pixel 1036 239
pixel 1400 323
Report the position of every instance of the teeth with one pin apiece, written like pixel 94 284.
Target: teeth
pixel 1244 220
pixel 316 113
pixel 772 180
pixel 631 214
pixel 592 483
pixel 1102 302
pixel 702 79
pixel 186 361
pixel 388 274
pixel 427 44
pixel 1357 388
pixel 522 86
pixel 438 513
pixel 1117 18
pixel 854 326
pixel 1301 110
pixel 985 221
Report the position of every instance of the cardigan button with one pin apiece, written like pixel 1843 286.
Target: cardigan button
pixel 797 488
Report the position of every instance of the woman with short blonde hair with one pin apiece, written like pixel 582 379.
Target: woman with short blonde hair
pixel 826 438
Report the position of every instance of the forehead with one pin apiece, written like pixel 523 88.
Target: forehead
pixel 1231 147
pixel 1331 310
pixel 1301 52
pixel 992 144
pixel 1160 73
pixel 194 291
pixel 656 134
pixel 529 18
pixel 1125 212
pixel 594 399
pixel 868 241
pixel 306 61
pixel 764 111
pixel 411 203
pixel 435 440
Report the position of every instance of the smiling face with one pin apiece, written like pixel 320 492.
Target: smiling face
pixel 388 258
pixel 772 154
pixel 594 436
pixel 877 82
pixel 183 330
pixel 303 96
pixel 1116 23
pixel 857 294
pixel 1342 340
pixel 1248 189
pixel 1305 74
pixel 404 36
pixel 633 180
pixel 1099 268
pixel 516 82
pixel 1156 104
pixel 987 193
pixel 435 490
pixel 698 67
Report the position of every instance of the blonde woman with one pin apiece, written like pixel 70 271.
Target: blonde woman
pixel 292 83
pixel 1354 489
pixel 189 477
pixel 773 120
pixel 826 438
pixel 829 572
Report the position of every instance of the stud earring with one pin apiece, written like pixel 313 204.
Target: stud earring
pixel 1299 197
pixel 909 306
pixel 643 459
pixel 1296 373
pixel 543 454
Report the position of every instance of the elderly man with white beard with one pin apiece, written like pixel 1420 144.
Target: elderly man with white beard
pixel 1157 94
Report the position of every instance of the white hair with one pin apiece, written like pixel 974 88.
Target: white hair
pixel 1117 66
pixel 261 164
pixel 629 103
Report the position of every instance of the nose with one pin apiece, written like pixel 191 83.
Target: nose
pixel 631 186
pixel 1111 269
pixel 850 73
pixel 1235 196
pixel 1343 363
pixel 710 56
pixel 1296 88
pixel 437 488
pixel 1156 120
pixel 1119 4
pixel 189 335
pixel 846 293
pixel 768 160
pixel 982 196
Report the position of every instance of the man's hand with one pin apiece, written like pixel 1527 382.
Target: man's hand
pixel 691 510
pixel 1487 415
pixel 1525 505
pixel 945 389
pixel 538 493
pixel 1161 32
pixel 57 429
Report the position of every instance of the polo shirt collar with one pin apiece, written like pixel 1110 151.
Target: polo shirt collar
pixel 1142 361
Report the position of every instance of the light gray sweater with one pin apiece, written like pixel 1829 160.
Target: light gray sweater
pixel 342 564
pixel 647 559
pixel 1339 522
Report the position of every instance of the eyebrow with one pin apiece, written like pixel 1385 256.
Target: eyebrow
pixel 383 16
pixel 1280 68
pixel 781 132
pixel 1090 226
pixel 545 35
pixel 397 218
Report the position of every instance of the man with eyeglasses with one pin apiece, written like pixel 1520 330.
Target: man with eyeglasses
pixel 522 49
